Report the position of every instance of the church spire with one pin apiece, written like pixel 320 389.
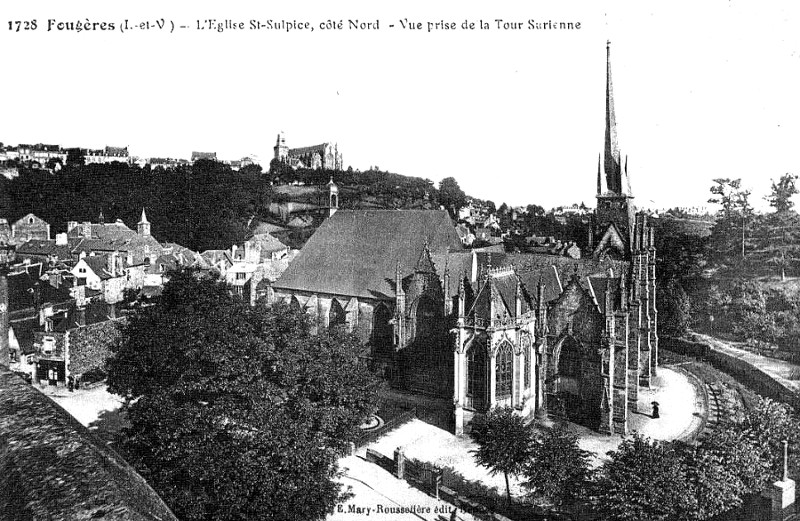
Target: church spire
pixel 612 160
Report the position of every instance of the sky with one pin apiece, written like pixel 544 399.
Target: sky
pixel 702 89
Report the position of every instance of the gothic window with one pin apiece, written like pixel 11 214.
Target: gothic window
pixel 476 370
pixel 294 304
pixel 428 317
pixel 526 353
pixel 381 328
pixel 569 361
pixel 336 315
pixel 504 370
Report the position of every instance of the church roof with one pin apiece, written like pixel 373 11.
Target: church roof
pixel 54 468
pixel 355 252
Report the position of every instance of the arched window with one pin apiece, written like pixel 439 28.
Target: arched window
pixel 381 328
pixel 504 370
pixel 428 317
pixel 569 361
pixel 336 315
pixel 476 370
pixel 294 304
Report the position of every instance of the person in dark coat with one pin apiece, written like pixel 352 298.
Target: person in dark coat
pixel 655 410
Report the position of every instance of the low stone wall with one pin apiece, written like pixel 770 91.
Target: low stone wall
pixel 744 372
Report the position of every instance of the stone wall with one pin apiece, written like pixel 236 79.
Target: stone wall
pixel 90 346
pixel 749 375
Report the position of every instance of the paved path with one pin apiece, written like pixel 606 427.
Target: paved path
pixel 780 370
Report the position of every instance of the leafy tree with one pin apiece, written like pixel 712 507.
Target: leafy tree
pixel 738 452
pixel 767 424
pixel 730 231
pixel 558 469
pixel 674 309
pixel 643 480
pixel 780 197
pixel 451 196
pixel 504 442
pixel 713 481
pixel 238 412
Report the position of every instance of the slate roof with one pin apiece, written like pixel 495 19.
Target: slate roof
pixel 98 264
pixel 115 231
pixel 565 266
pixel 22 289
pixel 355 252
pixel 52 467
pixel 42 248
pixel 268 244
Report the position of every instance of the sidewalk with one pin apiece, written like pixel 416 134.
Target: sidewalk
pixel 379 495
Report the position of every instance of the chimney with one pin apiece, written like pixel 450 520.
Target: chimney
pixel 111 264
pixel 61 239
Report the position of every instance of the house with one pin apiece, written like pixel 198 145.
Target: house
pixel 269 247
pixel 30 227
pixel 210 156
pixel 48 252
pixel 103 273
pixel 73 341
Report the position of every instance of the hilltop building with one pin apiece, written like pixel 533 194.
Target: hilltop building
pixel 324 155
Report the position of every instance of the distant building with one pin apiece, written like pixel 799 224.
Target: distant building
pixel 324 155
pixel 107 155
pixel 30 227
pixel 211 156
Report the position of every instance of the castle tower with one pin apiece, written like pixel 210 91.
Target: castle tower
pixel 333 197
pixel 280 148
pixel 143 226
pixel 614 198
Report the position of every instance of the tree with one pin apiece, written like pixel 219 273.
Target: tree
pixel 729 232
pixel 238 412
pixel 713 481
pixel 780 197
pixel 767 425
pixel 451 196
pixel 674 309
pixel 558 470
pixel 643 480
pixel 504 442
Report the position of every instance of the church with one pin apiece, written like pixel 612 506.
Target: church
pixel 548 335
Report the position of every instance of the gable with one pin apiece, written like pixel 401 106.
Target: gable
pixel 356 252
pixel 611 244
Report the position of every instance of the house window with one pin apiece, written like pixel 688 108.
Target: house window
pixel 81 270
pixel 14 357
pixel 504 370
pixel 48 345
pixel 241 276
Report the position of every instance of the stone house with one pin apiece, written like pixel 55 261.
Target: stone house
pixel 71 342
pixel 30 227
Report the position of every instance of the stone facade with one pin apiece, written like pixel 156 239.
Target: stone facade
pixel 324 155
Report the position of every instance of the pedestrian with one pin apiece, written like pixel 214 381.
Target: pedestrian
pixel 655 410
pixel 453 514
pixel 70 383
